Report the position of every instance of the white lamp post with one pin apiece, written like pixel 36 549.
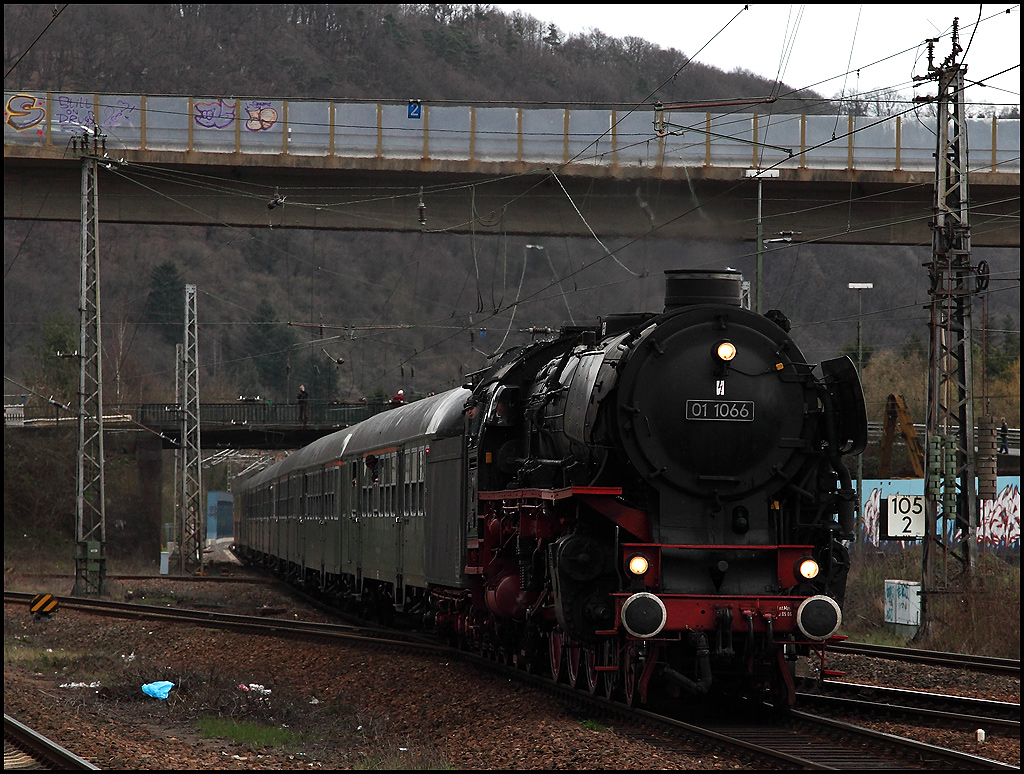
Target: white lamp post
pixel 860 287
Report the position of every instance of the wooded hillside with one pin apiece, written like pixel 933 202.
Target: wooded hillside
pixel 281 308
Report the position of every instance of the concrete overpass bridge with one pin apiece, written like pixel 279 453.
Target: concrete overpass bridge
pixel 539 170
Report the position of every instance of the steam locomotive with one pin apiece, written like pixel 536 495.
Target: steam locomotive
pixel 656 504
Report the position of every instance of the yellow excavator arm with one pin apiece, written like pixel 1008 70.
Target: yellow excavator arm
pixel 897 417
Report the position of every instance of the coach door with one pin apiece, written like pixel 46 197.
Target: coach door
pixel 413 537
pixel 352 542
pixel 330 530
pixel 444 477
pixel 292 525
pixel 312 542
pixel 277 523
pixel 389 523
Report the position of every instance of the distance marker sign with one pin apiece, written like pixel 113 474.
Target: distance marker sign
pixel 903 516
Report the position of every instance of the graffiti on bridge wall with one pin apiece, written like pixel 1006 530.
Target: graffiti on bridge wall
pixel 220 114
pixel 999 518
pixel 262 116
pixel 24 112
pixel 215 115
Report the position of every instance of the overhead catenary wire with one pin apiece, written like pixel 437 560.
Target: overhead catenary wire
pixel 858 129
pixel 607 251
pixel 519 300
pixel 54 16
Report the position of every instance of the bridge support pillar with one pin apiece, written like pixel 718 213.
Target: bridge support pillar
pixel 149 457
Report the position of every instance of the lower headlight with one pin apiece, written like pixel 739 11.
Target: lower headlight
pixel 807 568
pixel 638 565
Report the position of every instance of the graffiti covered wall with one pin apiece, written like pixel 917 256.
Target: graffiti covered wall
pixel 999 525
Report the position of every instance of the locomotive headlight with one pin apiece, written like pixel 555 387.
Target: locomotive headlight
pixel 638 565
pixel 725 351
pixel 807 568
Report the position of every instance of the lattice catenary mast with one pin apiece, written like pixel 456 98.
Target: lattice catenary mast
pixel 90 495
pixel 192 524
pixel 950 471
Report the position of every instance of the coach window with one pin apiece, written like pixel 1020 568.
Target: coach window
pixel 307 506
pixel 317 511
pixel 414 481
pixel 305 496
pixel 382 489
pixel 330 493
pixel 390 483
pixel 371 474
pixel 321 493
pixel 407 478
pixel 420 485
pixel 354 491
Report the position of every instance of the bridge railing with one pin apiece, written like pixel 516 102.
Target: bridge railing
pixel 243 413
pixel 259 412
pixel 468 133
pixel 262 414
pixel 875 430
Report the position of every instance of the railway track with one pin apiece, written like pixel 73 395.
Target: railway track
pixel 807 741
pixel 252 624
pixel 989 664
pixel 872 700
pixel 25 749
pixel 920 703
pixel 794 740
pixel 773 740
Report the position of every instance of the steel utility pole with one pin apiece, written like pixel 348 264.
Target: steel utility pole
pixel 760 174
pixel 950 470
pixel 90 495
pixel 192 530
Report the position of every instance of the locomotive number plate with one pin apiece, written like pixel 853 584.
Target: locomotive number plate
pixel 721 410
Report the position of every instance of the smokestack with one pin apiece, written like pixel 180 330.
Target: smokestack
pixel 687 287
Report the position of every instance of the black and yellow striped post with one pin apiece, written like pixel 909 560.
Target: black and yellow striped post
pixel 43 604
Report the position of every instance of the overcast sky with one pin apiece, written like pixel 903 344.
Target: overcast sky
pixel 813 46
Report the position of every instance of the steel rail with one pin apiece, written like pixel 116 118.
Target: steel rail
pixel 874 700
pixel 251 624
pixel 45 753
pixel 931 756
pixel 792 748
pixel 975 663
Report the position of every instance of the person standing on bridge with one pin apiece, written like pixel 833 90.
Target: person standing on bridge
pixel 303 405
pixel 1004 438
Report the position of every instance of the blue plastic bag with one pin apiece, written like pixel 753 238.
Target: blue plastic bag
pixel 158 690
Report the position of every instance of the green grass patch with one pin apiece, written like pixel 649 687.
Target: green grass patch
pixel 979 617
pixel 403 759
pixel 38 659
pixel 249 734
pixel 592 725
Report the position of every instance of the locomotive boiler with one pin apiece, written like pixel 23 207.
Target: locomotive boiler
pixel 658 502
